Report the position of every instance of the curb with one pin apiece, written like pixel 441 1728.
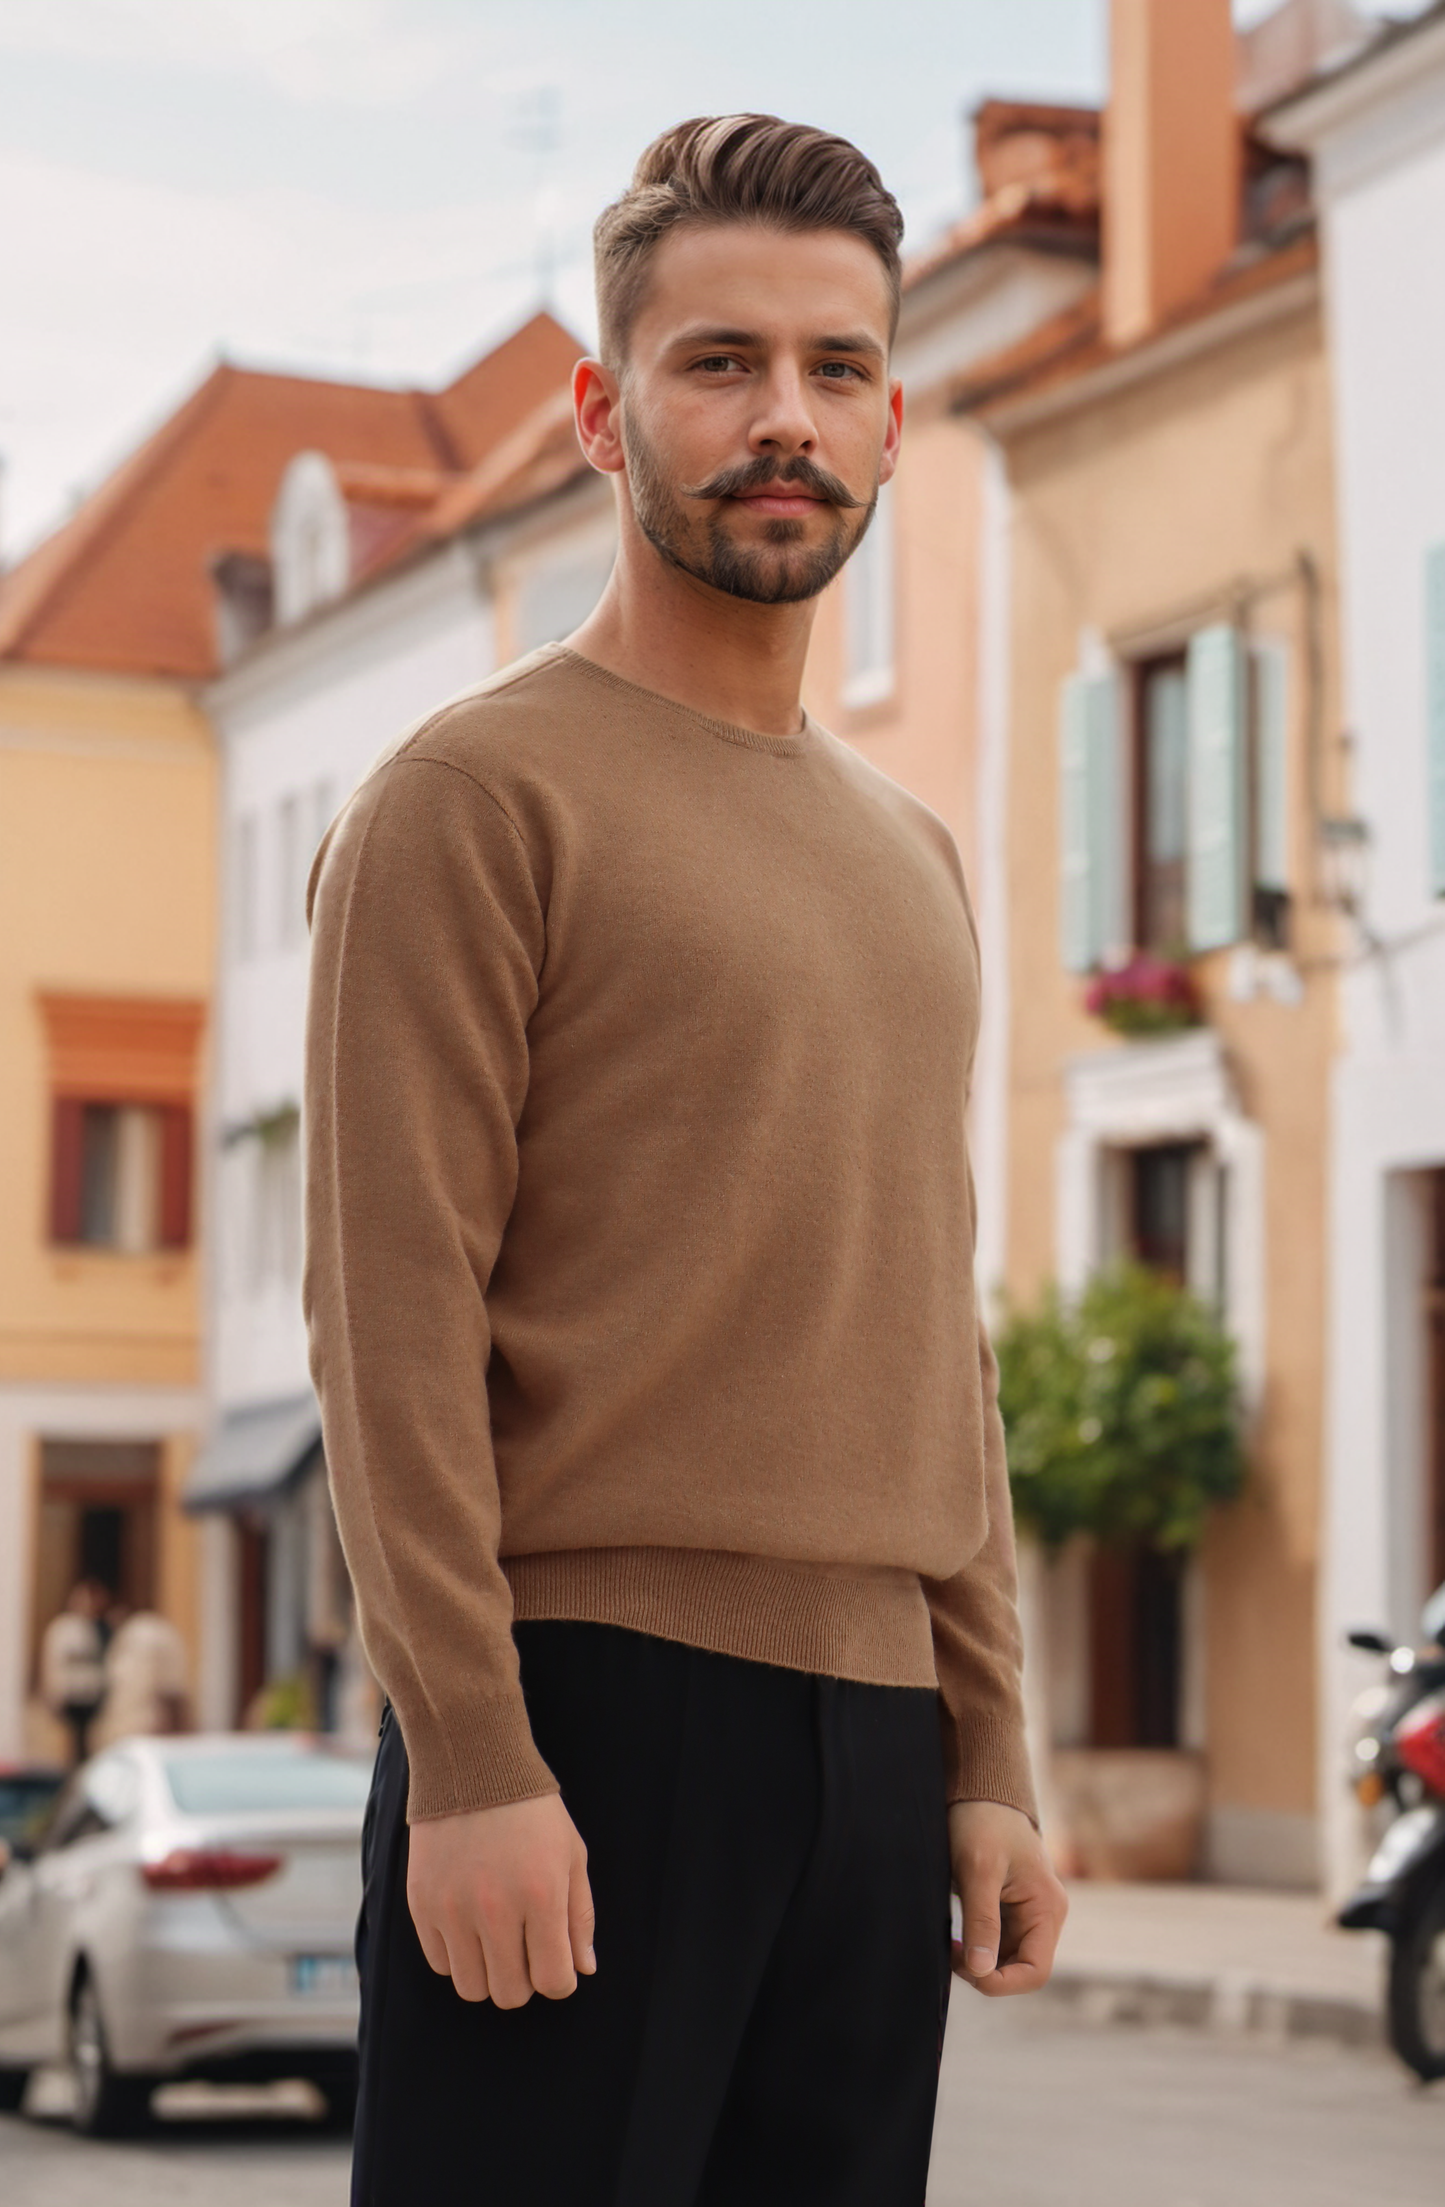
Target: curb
pixel 1229 2004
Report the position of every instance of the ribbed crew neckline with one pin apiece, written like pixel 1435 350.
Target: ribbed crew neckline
pixel 727 731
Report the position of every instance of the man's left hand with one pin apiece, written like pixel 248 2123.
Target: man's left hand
pixel 1013 1905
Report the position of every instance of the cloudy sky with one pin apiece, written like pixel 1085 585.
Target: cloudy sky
pixel 379 187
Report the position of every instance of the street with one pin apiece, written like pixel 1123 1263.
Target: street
pixel 1038 2110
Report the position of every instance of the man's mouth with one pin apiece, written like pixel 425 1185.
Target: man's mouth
pixel 779 499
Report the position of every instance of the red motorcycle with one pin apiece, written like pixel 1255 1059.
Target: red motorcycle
pixel 1400 1756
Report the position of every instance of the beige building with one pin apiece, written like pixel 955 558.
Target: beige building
pixel 1114 672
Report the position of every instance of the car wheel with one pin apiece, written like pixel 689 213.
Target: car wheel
pixel 12 2089
pixel 107 2104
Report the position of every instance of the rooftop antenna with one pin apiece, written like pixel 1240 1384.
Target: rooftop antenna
pixel 536 129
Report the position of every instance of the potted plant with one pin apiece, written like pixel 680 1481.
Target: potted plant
pixel 1124 1428
pixel 1146 996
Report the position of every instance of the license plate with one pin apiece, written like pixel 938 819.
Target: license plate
pixel 323 1976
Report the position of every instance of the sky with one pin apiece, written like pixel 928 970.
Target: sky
pixel 381 188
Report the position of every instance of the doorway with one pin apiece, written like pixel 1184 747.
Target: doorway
pixel 97 1519
pixel 1163 1216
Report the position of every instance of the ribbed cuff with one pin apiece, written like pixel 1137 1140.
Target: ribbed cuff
pixel 474 1756
pixel 986 1759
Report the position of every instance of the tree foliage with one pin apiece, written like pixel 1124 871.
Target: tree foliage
pixel 1122 1412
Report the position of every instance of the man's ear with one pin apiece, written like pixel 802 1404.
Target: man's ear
pixel 596 405
pixel 888 459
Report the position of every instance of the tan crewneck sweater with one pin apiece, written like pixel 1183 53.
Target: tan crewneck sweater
pixel 639 1219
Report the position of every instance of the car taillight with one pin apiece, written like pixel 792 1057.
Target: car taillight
pixel 1419 1741
pixel 208 1870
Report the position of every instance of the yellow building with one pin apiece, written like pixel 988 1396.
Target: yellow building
pixel 107 799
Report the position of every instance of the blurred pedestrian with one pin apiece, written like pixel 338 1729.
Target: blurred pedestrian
pixel 662 1427
pixel 72 1663
pixel 146 1676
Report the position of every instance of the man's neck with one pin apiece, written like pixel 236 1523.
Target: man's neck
pixel 723 656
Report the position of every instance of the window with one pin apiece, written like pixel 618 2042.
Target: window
pixel 1161 807
pixel 868 600
pixel 121 1175
pixel 1174 816
pixel 246 886
pixel 310 538
pixel 292 859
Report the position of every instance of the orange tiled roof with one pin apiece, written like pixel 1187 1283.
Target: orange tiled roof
pixel 125 586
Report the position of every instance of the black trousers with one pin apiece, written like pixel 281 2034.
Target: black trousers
pixel 768 1855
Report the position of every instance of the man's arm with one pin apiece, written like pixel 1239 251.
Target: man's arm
pixel 428 937
pixel 1013 1905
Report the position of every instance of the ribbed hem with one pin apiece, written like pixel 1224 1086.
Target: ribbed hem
pixel 869 1625
pixel 477 1757
pixel 986 1759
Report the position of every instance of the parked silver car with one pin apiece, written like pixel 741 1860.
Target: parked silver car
pixel 187 1912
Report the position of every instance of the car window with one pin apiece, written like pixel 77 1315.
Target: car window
pixel 246 1780
pixel 26 1798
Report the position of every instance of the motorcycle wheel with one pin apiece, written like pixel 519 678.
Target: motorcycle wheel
pixel 1416 2006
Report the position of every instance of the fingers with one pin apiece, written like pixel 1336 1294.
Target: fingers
pixel 549 1948
pixel 453 1952
pixel 982 1915
pixel 1033 1911
pixel 501 1901
pixel 581 1916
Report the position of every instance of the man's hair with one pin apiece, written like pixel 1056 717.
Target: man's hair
pixel 737 168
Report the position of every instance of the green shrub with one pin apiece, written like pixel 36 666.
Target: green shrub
pixel 1122 1412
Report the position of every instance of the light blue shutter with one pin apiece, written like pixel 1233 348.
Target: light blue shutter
pixel 1271 766
pixel 1218 811
pixel 1435 711
pixel 1090 823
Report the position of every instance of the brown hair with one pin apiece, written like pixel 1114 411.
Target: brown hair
pixel 737 168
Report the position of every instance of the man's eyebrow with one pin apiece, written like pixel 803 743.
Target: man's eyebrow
pixel 850 341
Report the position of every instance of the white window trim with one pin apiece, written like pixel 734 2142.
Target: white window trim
pixel 1174 1090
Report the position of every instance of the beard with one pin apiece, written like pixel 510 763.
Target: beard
pixel 784 569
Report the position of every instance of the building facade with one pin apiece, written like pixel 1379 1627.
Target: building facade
pixel 108 875
pixel 1375 132
pixel 1168 453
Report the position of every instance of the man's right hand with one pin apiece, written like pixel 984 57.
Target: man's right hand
pixel 501 1902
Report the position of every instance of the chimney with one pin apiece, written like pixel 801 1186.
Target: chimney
pixel 1171 158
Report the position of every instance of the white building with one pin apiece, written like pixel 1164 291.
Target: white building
pixel 1375 130
pixel 513 555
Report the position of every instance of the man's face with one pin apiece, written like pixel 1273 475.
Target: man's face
pixel 758 419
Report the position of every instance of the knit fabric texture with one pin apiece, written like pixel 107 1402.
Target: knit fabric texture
pixel 639 1220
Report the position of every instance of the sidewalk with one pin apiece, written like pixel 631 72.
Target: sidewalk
pixel 1221 1958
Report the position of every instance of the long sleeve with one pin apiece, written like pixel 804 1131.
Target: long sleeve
pixel 428 937
pixel 977 1644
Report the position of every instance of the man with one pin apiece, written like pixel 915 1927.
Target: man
pixel 663 1433
pixel 72 1663
pixel 146 1684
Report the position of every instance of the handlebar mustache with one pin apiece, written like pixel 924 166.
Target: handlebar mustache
pixel 737 482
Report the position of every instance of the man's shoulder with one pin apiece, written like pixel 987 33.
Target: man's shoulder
pixel 917 822
pixel 488 719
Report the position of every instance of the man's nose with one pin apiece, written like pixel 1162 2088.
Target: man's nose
pixel 784 421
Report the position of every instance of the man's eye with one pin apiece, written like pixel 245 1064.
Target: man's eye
pixel 719 363
pixel 838 371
